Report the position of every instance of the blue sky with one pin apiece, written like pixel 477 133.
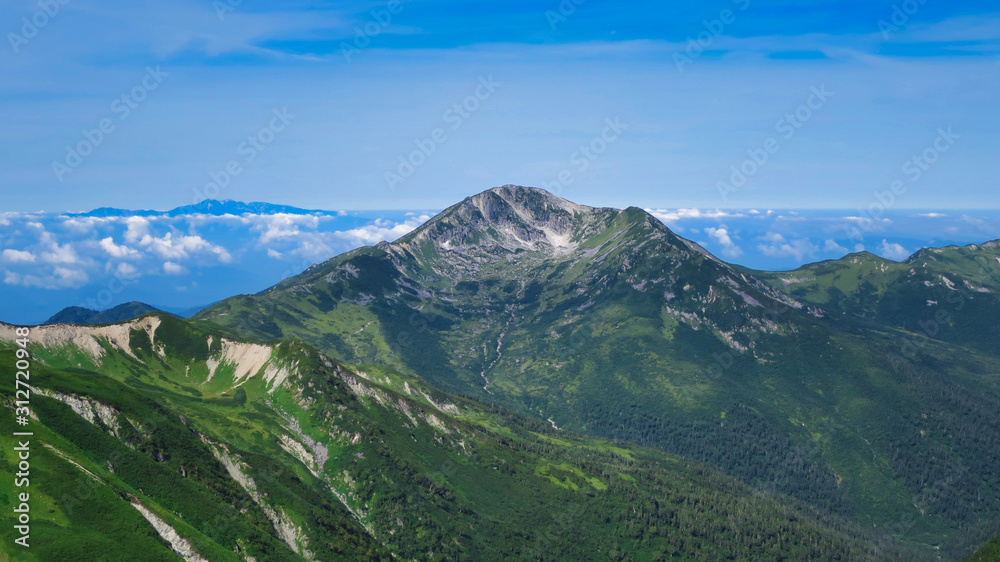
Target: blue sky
pixel 697 89
pixel 764 129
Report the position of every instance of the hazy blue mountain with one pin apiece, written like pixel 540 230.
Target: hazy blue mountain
pixel 206 207
pixel 120 313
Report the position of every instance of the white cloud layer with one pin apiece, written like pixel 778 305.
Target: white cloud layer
pixel 382 230
pixel 59 278
pixel 171 268
pixel 181 247
pixel 833 246
pixel 18 256
pixel 778 246
pixel 669 216
pixel 893 251
pixel 722 238
pixel 116 251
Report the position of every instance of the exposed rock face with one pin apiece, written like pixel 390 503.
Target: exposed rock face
pixel 275 374
pixel 512 218
pixel 89 409
pixel 86 346
pixel 290 533
pixel 246 358
pixel 531 235
pixel 179 544
pixel 88 338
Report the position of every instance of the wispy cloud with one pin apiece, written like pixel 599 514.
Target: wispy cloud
pixel 382 230
pixel 777 246
pixel 721 237
pixel 893 251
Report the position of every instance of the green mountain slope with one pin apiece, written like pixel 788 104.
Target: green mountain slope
pixel 156 438
pixel 988 553
pixel 603 321
pixel 951 294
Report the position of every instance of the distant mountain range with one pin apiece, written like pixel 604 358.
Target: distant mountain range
pixel 120 313
pixel 206 207
pixel 526 377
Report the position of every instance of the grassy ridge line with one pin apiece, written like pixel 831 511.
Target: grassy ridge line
pixel 951 293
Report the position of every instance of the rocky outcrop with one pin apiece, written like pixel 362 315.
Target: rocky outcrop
pixel 89 409
pixel 247 359
pixel 88 339
pixel 286 529
pixel 178 544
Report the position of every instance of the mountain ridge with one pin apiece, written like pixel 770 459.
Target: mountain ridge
pixel 119 313
pixel 950 293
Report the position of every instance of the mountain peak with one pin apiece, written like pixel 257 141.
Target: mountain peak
pixel 531 200
pixel 513 218
pixel 510 217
